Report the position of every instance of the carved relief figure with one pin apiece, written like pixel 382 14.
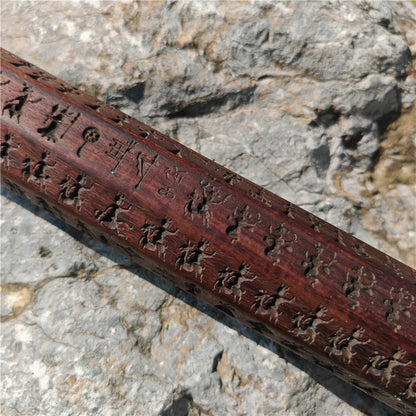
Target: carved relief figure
pixel 37 172
pixel 199 204
pixel 242 219
pixel 192 256
pixel 381 366
pixel 356 282
pixel 7 146
pixel 230 281
pixel 72 190
pixel 400 302
pixel 307 325
pixel 15 105
pixel 109 216
pixel 154 236
pixel 342 344
pixel 279 239
pixel 143 166
pixel 268 305
pixel 59 122
pixel 410 392
pixel 314 263
pixel 90 135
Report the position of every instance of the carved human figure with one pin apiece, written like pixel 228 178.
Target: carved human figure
pixel 399 303
pixel 268 304
pixel 356 282
pixel 37 172
pixel 56 119
pixel 384 367
pixel 72 190
pixel 109 216
pixel 314 263
pixel 230 281
pixel 342 344
pixel 410 392
pixel 199 204
pixel 242 219
pixel 153 238
pixel 15 105
pixel 280 239
pixel 7 146
pixel 191 257
pixel 307 325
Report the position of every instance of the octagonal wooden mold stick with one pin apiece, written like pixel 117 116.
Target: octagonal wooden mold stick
pixel 282 271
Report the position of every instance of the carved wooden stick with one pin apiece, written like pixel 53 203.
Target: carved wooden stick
pixel 295 278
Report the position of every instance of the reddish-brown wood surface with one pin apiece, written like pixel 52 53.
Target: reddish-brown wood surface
pixel 295 278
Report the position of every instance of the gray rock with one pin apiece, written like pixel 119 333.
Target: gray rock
pixel 296 96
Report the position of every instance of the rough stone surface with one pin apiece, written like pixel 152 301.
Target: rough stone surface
pixel 313 100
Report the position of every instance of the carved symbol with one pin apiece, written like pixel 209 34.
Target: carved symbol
pixel 4 82
pixel 67 89
pixel 278 242
pixel 269 305
pixel 355 283
pixel 142 170
pixel 314 263
pixel 174 174
pixel 339 238
pixel 342 344
pixel 259 195
pixel 118 150
pixel 360 250
pixel 306 325
pixel 288 210
pixel 44 76
pixel 315 223
pixel 230 281
pixel 154 236
pixel 192 256
pixel 6 147
pixel 166 192
pixel 411 387
pixel 37 173
pixel 242 219
pixel 90 135
pixel 72 190
pixel 381 366
pixel 109 216
pixel 59 121
pixel 230 177
pixel 400 302
pixel 15 105
pixel 199 204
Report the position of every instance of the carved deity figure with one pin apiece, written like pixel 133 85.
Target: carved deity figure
pixel 356 282
pixel 72 190
pixel 280 240
pixel 342 345
pixel 242 219
pixel 314 263
pixel 192 256
pixel 199 204
pixel 307 325
pixel 7 146
pixel 381 366
pixel 268 305
pixel 230 281
pixel 109 216
pixel 400 302
pixel 153 238
pixel 15 105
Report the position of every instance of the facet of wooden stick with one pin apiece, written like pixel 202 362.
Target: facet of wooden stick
pixel 282 271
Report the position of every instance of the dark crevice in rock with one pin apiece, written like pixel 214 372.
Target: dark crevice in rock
pixel 325 118
pixel 216 360
pixel 179 406
pixel 134 92
pixel 210 104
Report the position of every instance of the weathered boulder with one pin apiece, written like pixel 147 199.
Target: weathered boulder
pixel 313 100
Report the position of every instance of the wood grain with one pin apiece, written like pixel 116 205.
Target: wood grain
pixel 282 271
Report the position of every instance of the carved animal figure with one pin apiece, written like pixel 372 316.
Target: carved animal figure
pixel 343 345
pixel 154 236
pixel 15 105
pixel 314 263
pixel 191 258
pixel 109 216
pixel 381 366
pixel 269 305
pixel 241 220
pixel 307 325
pixel 355 283
pixel 229 281
pixel 400 302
